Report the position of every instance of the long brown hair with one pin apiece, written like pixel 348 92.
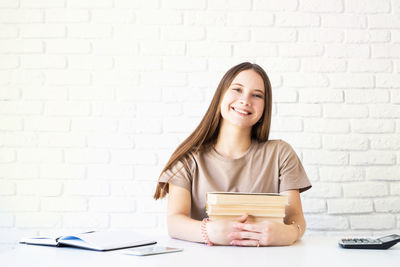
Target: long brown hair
pixel 207 131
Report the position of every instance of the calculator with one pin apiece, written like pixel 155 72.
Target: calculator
pixel 384 242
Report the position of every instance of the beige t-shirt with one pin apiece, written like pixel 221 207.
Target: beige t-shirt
pixel 268 167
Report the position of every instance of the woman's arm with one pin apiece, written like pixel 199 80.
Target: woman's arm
pixel 181 226
pixel 270 233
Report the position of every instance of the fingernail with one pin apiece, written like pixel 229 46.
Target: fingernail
pixel 233 243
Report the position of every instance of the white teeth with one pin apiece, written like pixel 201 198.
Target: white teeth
pixel 241 111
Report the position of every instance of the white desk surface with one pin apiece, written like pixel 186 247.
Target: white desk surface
pixel 310 251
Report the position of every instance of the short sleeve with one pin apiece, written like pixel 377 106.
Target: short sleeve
pixel 291 172
pixel 180 174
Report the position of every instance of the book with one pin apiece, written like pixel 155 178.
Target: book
pixel 234 198
pixel 259 206
pixel 93 240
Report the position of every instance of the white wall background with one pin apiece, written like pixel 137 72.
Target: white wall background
pixel 96 94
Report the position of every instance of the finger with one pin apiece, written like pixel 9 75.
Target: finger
pixel 251 227
pixel 245 243
pixel 244 235
pixel 242 218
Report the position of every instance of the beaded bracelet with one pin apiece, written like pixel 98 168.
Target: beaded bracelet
pixel 204 232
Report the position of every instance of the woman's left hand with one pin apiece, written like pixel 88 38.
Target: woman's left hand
pixel 267 233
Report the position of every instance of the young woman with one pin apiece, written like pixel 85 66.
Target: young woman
pixel 229 151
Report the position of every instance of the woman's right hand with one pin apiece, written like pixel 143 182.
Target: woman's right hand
pixel 218 231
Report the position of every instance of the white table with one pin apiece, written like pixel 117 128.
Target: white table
pixel 309 252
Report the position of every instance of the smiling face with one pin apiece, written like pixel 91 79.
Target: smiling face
pixel 243 102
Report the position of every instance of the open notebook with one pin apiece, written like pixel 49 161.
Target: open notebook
pixel 101 241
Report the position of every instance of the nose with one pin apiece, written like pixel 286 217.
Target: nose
pixel 244 99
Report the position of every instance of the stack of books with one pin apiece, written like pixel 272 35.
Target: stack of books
pixel 259 206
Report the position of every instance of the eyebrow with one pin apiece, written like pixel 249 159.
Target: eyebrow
pixel 259 90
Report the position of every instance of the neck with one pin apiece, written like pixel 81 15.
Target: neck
pixel 232 141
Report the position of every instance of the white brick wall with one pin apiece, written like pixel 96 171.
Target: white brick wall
pixel 95 96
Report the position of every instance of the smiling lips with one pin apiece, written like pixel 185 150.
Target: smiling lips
pixel 241 111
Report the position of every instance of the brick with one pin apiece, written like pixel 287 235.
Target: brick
pixel 370 65
pixel 385 142
pixel 313 35
pixel 43 62
pixel 136 4
pixel 345 206
pixel 229 5
pixel 19 138
pixel 137 157
pixel 290 19
pixel 365 189
pixel 41 3
pixel 100 125
pixel 168 48
pixel 300 50
pixel 389 205
pixel 85 219
pixel 352 80
pixel 279 64
pixel 325 157
pixel 395 188
pixel 351 51
pixel 141 125
pixel 163 79
pixel 389 51
pixel 366 96
pixel 6 221
pixel 8 31
pixel 154 141
pixel 137 33
pixel 315 6
pixel 303 140
pixel 344 21
pixel 90 62
pixel 38 220
pixel 46 124
pixel 228 34
pixel 299 110
pixel 137 188
pixel 284 96
pixel 21 46
pixel 57 108
pixel 112 204
pixel 68 46
pixel 164 17
pixel 211 18
pixel 38 187
pixel 10 124
pixel 255 18
pixel 65 15
pixel 110 141
pixel 9 4
pixel 385 111
pixel 64 204
pixel 39 155
pixel 305 80
pixel 345 111
pixel 320 96
pixel 286 125
pixel 182 95
pixel 62 171
pixel 61 140
pixel 211 49
pixel 179 125
pixel 86 188
pixel 367 36
pixel 115 15
pixel 313 205
pixel 21 16
pixel 89 31
pixel 378 21
pixel 255 50
pixel 7 188
pixel 18 204
pixel 114 47
pixel 115 77
pixel 386 221
pixel 44 93
pixel 368 6
pixel 114 109
pixel 20 108
pixel 133 221
pixel 323 65
pixel 9 62
pixel 343 174
pixel 387 80
pixel 184 64
pixel 90 4
pixel 345 142
pixel 324 222
pixel 86 156
pixel 373 126
pixel 90 93
pixel 384 173
pixel 395 97
pixel 42 31
pixel 110 172
pixel 18 171
pixel 288 5
pixel 11 93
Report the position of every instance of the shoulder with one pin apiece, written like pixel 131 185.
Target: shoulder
pixel 277 145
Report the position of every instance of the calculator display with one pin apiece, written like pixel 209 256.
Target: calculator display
pixel 387 238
